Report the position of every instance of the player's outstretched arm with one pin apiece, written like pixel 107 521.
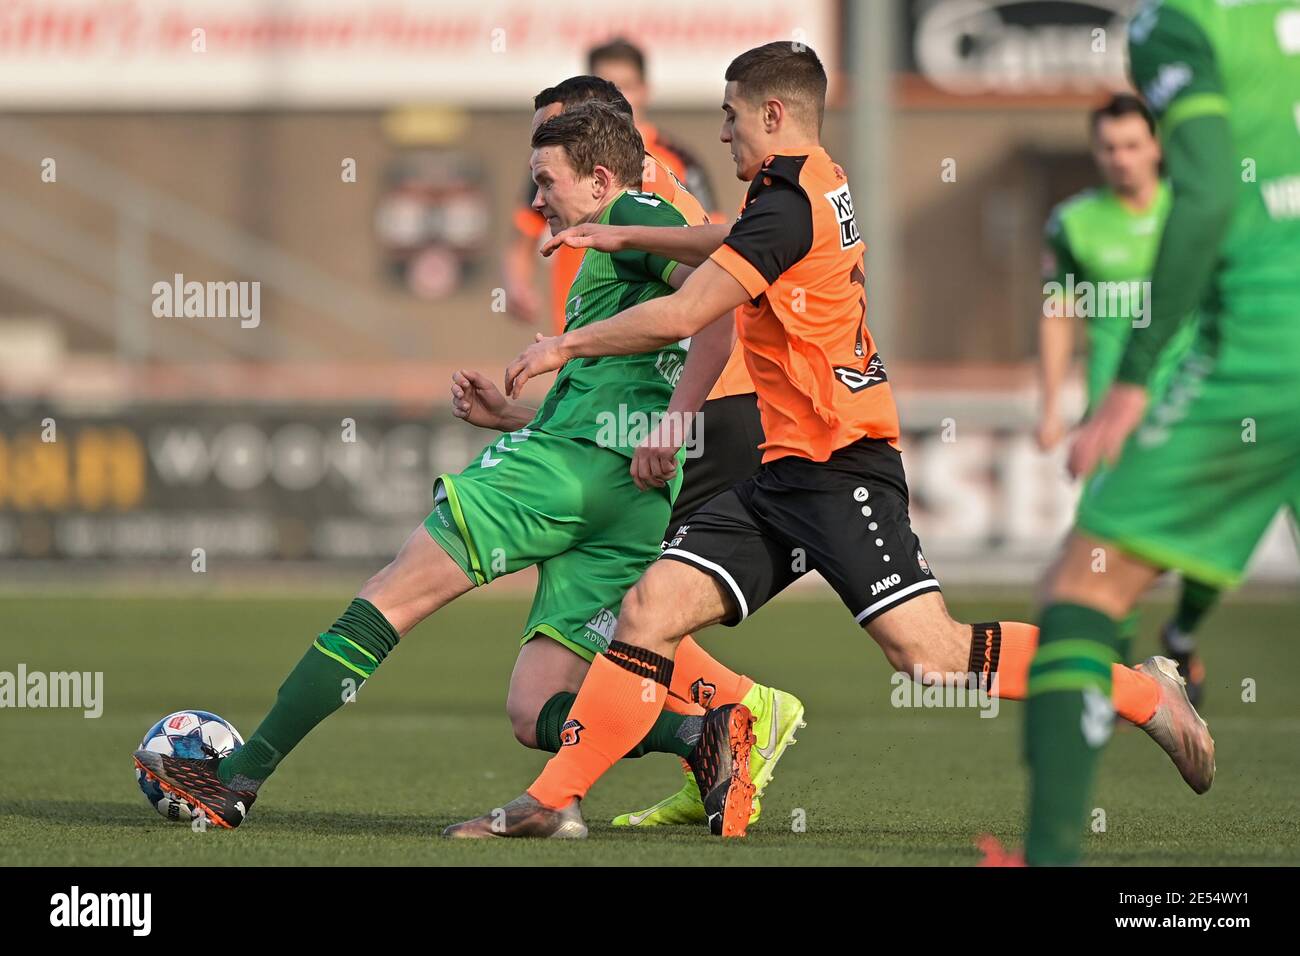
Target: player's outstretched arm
pixel 689 245
pixel 708 293
pixel 476 400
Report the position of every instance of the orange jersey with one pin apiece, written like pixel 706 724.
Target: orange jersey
pixel 658 178
pixel 796 249
pixel 664 170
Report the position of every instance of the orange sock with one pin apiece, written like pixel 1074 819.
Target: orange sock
pixel 610 716
pixel 1004 648
pixel 703 680
pixel 1134 694
pixel 1007 647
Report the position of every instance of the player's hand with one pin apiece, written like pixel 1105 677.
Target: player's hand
pixel 1103 435
pixel 1050 431
pixel 588 235
pixel 655 460
pixel 475 399
pixel 544 355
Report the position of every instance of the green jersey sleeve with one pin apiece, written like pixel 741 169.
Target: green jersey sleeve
pixel 644 209
pixel 1173 66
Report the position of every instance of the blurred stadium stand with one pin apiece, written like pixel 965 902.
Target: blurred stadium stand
pixel 227 165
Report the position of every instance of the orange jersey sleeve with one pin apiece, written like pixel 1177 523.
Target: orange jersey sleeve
pixel 796 250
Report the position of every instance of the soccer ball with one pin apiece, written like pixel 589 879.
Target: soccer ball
pixel 186 733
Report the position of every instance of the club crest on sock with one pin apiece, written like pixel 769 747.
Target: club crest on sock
pixel 571 732
pixel 702 692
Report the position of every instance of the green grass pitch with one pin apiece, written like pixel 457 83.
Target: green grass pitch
pixel 427 743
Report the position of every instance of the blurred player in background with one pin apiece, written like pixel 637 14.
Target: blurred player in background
pixel 1205 469
pixel 622 64
pixel 1104 241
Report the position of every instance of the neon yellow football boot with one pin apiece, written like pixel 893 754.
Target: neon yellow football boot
pixel 778 716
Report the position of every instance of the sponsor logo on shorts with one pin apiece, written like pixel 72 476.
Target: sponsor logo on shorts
pixel 702 692
pixel 857 379
pixel 677 538
pixel 884 584
pixel 603 625
pixel 923 564
pixel 571 732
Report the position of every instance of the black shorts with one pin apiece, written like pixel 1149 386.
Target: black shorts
pixel 729 438
pixel 845 518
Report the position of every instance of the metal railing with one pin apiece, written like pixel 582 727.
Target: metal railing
pixel 122 267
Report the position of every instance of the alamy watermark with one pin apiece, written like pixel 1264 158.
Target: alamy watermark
pixel 75 908
pixel 628 428
pixel 179 299
pixel 82 690
pixel 924 689
pixel 1099 300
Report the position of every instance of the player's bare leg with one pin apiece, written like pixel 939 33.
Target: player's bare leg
pixel 622 696
pixel 920 636
pixel 421 579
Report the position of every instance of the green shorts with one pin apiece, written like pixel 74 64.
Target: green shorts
pixel 1216 458
pixel 566 505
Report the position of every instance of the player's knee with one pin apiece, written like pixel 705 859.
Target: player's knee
pixel 635 617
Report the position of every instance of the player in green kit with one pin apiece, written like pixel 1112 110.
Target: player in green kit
pixel 555 491
pixel 1100 250
pixel 1200 472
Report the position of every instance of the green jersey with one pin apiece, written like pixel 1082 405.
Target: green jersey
pixel 611 400
pixel 1239 60
pixel 1100 253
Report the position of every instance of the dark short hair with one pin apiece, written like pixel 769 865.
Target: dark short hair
pixel 1121 104
pixel 580 89
pixel 783 70
pixel 596 134
pixel 620 50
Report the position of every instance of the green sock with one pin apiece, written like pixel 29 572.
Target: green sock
pixel 1193 604
pixel 1068 720
pixel 671 734
pixel 332 670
